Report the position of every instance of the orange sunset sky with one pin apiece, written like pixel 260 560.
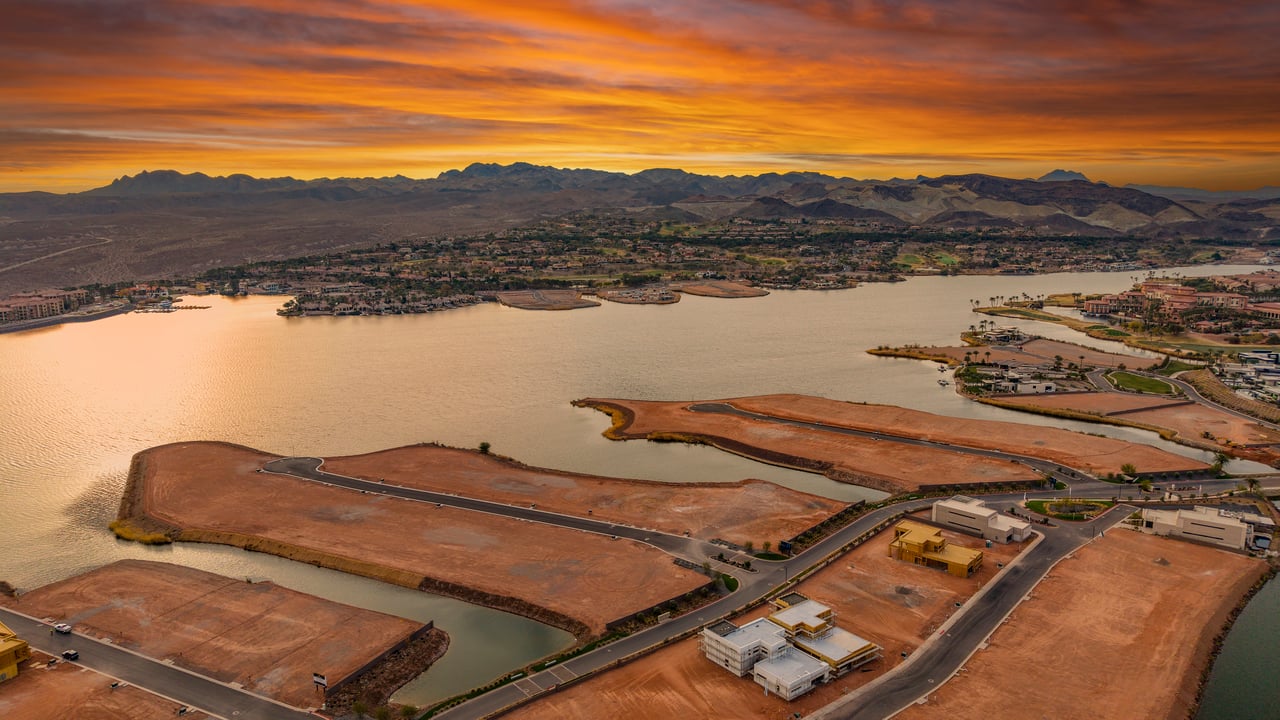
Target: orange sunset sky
pixel 1162 92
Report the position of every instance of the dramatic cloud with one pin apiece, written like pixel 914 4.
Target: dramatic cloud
pixel 1168 91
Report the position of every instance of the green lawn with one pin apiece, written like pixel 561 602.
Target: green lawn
pixel 1173 367
pixel 1140 383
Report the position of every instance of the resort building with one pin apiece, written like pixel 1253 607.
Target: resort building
pixel 921 544
pixel 41 304
pixel 1172 300
pixel 791 651
pixel 1201 524
pixel 13 650
pixel 972 516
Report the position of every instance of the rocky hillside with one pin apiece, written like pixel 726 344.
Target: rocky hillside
pixel 165 223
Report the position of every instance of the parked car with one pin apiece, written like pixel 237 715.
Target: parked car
pixel 62 628
pixel 70 655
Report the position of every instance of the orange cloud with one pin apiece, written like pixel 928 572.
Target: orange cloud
pixel 1170 92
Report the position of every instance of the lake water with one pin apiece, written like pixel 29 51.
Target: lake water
pixel 79 400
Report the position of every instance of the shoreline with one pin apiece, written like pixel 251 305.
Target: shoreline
pixel 1206 660
pixel 64 319
pixel 136 522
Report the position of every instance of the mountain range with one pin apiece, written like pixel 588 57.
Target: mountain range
pixel 164 222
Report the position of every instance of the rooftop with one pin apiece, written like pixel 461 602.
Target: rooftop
pixel 836 646
pixel 809 614
pixel 790 666
pixel 756 631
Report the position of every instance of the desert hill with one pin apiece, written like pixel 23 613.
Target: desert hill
pixel 164 222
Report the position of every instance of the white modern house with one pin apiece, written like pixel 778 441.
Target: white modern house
pixel 791 651
pixel 1201 524
pixel 973 516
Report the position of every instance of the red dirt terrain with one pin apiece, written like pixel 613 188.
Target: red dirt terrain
pixel 267 638
pixel 891 603
pixel 882 464
pixel 748 510
pixel 65 690
pixel 579 581
pixel 1131 606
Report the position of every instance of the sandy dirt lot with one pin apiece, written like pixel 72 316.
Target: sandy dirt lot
pixel 1141 608
pixel 545 299
pixel 1188 420
pixel 1089 452
pixel 891 603
pixel 640 296
pixel 748 510
pixel 67 690
pixel 1036 352
pixel 895 465
pixel 265 637
pixel 720 289
pixel 888 466
pixel 205 489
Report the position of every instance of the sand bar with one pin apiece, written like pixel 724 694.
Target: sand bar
pixel 1039 351
pixel 719 289
pixel 1122 629
pixel 575 580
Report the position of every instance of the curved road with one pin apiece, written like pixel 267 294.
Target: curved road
pixel 932 664
pixel 308 468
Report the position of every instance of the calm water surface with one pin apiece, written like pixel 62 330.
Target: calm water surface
pixel 79 400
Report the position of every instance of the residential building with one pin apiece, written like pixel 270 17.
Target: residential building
pixel 973 516
pixel 1201 524
pixel 792 650
pixel 13 650
pixel 924 545
pixel 40 304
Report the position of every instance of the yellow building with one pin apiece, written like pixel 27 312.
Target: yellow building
pixel 924 545
pixel 12 651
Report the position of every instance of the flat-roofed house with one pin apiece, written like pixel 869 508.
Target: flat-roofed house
pixel 1201 524
pixel 922 544
pixel 973 516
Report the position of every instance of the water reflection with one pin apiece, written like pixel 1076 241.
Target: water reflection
pixel 79 400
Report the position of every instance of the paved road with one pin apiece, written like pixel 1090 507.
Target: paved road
pixel 1194 395
pixel 690 549
pixel 937 661
pixel 187 688
pixel 934 664
pixel 754 586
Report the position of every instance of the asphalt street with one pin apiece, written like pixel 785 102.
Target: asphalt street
pixel 181 686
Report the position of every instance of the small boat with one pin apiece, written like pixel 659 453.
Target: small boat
pixel 943 383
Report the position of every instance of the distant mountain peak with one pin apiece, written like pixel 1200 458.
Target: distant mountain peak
pixel 163 182
pixel 1062 176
